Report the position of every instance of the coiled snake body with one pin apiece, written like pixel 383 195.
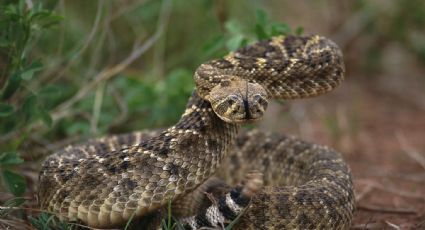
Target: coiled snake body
pixel 106 181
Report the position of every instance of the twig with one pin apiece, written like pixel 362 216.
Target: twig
pixel 395 191
pixel 159 50
pixel 14 224
pixel 86 44
pixel 97 106
pixel 394 226
pixel 421 224
pixel 360 196
pixel 123 108
pixel 125 8
pixel 107 73
pixel 368 226
pixel 369 220
pixel 48 147
pixel 2 208
pixel 64 109
pixel 59 70
pixel 87 227
pixel 29 4
pixel 417 177
pixel 385 209
pixel 409 150
pixel 98 47
pixel 61 39
pixel 377 225
pixel 411 98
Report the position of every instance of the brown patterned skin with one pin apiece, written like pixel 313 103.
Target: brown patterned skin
pixel 104 185
pixel 308 186
pixel 104 182
pixel 286 67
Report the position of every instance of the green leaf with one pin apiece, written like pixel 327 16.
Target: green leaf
pixel 262 21
pixel 236 42
pixel 45 117
pixel 233 27
pixel 261 32
pixel 41 17
pixel 50 90
pixel 15 183
pixel 8 124
pixel 41 221
pixel 78 127
pixel 5 110
pixel 4 42
pixel 280 29
pixel 12 85
pixel 261 18
pixel 10 159
pixel 29 108
pixel 29 71
pixel 299 30
pixel 15 202
pixel 214 46
pixel 44 19
pixel 46 221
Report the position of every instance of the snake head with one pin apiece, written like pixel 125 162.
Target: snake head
pixel 238 101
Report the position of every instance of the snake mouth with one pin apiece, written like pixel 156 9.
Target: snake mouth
pixel 239 121
pixel 244 113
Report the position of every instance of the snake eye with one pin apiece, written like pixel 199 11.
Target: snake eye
pixel 260 100
pixel 257 97
pixel 231 99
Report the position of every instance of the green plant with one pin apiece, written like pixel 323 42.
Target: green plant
pixel 236 35
pixel 46 221
pixel 19 104
pixel 14 182
pixel 169 223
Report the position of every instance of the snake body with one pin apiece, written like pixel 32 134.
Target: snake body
pixel 104 182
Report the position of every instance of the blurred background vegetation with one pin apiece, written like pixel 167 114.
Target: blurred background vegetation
pixel 70 70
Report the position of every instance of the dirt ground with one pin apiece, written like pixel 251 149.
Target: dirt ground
pixel 381 135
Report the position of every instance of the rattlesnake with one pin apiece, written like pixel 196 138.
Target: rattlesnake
pixel 107 181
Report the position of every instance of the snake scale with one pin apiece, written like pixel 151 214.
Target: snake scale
pixel 276 181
